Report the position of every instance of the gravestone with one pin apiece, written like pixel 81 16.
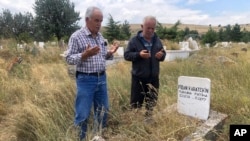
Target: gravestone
pixel 184 45
pixel 194 100
pixel 193 45
pixel 41 44
pixel 35 43
pixel 194 96
pixel 120 51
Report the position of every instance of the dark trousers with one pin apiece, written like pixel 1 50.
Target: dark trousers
pixel 144 90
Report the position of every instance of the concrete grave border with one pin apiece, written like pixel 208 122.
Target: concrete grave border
pixel 208 129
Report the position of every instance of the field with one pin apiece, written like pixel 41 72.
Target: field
pixel 200 28
pixel 37 96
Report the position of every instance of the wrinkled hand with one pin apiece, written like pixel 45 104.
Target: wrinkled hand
pixel 90 51
pixel 159 54
pixel 144 54
pixel 114 47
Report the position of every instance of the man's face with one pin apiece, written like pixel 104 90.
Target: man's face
pixel 94 22
pixel 148 28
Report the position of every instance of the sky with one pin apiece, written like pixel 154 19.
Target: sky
pixel 198 12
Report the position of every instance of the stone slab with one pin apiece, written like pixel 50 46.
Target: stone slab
pixel 194 96
pixel 207 131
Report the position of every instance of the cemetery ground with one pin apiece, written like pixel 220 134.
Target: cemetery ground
pixel 37 96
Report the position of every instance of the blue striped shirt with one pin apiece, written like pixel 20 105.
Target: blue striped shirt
pixel 78 42
pixel 147 44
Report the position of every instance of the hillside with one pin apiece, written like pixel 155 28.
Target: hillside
pixel 200 28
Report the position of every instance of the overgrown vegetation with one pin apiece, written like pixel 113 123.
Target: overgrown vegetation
pixel 37 96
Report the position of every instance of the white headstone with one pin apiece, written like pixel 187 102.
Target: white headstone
pixel 126 42
pixel 41 44
pixel 53 43
pixel 184 45
pixel 194 96
pixel 174 54
pixel 207 45
pixel 120 51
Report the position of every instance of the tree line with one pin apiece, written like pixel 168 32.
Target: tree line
pixel 224 34
pixel 54 19
pixel 57 19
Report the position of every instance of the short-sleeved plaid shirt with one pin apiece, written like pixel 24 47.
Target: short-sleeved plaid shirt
pixel 78 42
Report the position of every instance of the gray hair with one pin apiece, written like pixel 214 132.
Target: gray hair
pixel 90 11
pixel 149 18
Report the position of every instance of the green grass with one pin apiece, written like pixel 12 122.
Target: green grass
pixel 37 97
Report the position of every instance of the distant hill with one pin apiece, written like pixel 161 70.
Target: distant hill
pixel 200 28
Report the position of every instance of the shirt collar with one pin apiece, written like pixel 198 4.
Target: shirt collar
pixel 88 33
pixel 143 39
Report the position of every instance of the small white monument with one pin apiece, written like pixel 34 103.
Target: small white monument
pixel 194 96
pixel 41 44
pixel 184 46
pixel 120 51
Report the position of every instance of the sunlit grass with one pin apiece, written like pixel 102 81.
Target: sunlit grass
pixel 37 97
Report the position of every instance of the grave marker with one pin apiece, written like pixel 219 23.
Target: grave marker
pixel 194 96
pixel 41 44
pixel 120 51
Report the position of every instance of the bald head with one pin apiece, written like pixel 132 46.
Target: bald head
pixel 148 27
pixel 149 19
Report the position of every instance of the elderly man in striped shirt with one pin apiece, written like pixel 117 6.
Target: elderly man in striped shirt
pixel 88 51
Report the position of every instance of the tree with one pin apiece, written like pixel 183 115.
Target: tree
pixel 6 24
pixel 245 36
pixel 125 30
pixel 236 33
pixel 19 26
pixel 55 18
pixel 227 33
pixel 210 36
pixel 186 30
pixel 112 30
pixel 22 26
pixel 190 33
pixel 160 30
pixel 180 35
pixel 167 33
pixel 220 34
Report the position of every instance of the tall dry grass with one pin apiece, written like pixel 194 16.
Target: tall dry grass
pixel 37 97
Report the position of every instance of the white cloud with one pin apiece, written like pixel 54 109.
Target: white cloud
pixel 16 6
pixel 166 11
pixel 193 1
pixel 198 1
